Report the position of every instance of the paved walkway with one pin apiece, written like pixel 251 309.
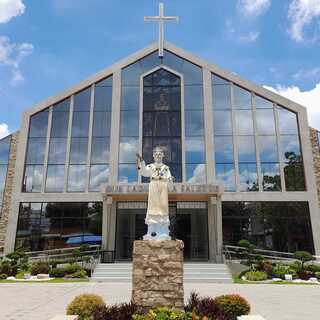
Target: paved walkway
pixel 44 301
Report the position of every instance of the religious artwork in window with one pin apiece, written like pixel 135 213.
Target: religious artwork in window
pixel 162 119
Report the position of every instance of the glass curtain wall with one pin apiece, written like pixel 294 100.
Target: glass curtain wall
pixel 268 145
pixel 5 144
pixel 46 226
pixel 129 123
pixel 242 103
pixel 279 226
pixel 37 139
pixel 79 141
pixel 223 133
pixel 291 150
pixel 100 147
pixel 83 172
pixel 58 146
pixel 242 121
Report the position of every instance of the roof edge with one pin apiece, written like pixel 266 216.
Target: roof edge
pixel 238 80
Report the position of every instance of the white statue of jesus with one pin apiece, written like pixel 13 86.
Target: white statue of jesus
pixel 157 217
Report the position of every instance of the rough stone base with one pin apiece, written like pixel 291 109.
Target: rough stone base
pixel 157 274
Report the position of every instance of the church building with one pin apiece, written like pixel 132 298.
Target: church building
pixel 241 157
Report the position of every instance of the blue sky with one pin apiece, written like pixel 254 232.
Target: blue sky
pixel 47 46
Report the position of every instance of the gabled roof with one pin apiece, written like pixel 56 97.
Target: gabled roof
pixel 181 53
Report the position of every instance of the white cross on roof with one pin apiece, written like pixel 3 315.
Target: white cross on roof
pixel 161 19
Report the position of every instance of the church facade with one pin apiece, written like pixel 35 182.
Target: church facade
pixel 241 157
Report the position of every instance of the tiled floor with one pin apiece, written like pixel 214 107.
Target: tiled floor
pixel 44 301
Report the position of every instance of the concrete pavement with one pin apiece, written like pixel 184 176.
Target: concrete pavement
pixel 44 301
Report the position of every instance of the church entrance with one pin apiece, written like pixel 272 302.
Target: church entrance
pixel 189 222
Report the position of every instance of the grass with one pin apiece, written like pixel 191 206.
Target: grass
pixel 57 280
pixel 237 280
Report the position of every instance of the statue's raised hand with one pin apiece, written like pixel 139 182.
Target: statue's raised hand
pixel 138 160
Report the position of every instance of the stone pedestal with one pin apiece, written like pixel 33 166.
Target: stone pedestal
pixel 157 274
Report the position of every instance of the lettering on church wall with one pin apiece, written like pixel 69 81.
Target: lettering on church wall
pixel 178 188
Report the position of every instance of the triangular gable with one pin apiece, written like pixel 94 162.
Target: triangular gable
pixel 291 105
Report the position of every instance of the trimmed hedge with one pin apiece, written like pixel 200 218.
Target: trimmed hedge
pixel 256 276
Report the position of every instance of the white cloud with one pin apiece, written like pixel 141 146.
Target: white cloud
pixel 12 54
pixel 10 9
pixel 302 73
pixel 253 8
pixel 4 130
pixel 309 99
pixel 301 13
pixel 250 37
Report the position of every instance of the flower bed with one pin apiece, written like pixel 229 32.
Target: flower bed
pixel 226 307
pixel 260 270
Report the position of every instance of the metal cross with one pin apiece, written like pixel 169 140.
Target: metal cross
pixel 161 19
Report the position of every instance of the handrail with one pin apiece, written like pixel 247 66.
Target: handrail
pixel 228 250
pixel 48 252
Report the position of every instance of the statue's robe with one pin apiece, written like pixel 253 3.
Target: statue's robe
pixel 160 176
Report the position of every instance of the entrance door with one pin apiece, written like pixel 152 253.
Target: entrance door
pixel 189 223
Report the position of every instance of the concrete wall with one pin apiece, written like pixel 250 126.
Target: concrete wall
pixel 6 208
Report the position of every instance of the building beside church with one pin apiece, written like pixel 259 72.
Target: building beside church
pixel 241 156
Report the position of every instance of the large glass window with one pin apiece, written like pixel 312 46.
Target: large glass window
pixel 79 141
pixel 223 139
pixel 55 178
pixel 46 226
pixel 161 118
pixel 241 98
pixel 279 226
pixel 291 150
pixel 33 176
pixel 100 147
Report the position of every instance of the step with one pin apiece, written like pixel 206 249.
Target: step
pixel 200 272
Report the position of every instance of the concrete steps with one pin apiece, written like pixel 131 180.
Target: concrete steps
pixel 193 272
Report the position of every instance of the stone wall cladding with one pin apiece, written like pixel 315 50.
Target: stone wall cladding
pixel 157 274
pixel 7 198
pixel 316 158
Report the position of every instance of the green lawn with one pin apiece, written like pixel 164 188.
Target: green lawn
pixel 58 280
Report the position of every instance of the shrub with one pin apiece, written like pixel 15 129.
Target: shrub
pixel 84 306
pixel 256 276
pixel 280 270
pixel 265 266
pixel 121 311
pixel 203 307
pixel 57 272
pixel 39 267
pixel 305 274
pixel 232 305
pixel 8 267
pixel 72 268
pixel 164 314
pixel 245 244
pixel 313 268
pixel 3 276
pixel 77 275
pixel 317 274
pixel 303 256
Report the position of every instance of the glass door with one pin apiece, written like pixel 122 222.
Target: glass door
pixel 188 222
